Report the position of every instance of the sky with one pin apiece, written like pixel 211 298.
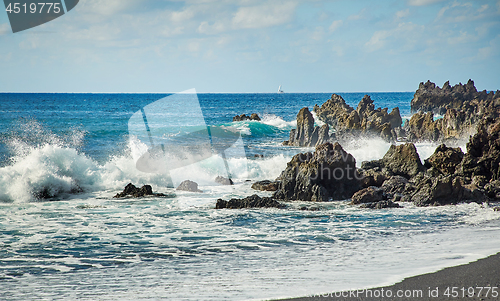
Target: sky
pixel 254 46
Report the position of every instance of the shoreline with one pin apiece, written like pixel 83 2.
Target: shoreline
pixel 460 282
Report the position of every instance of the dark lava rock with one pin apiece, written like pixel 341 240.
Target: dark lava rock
pixel 244 117
pixel 462 107
pixel 188 185
pixel 328 173
pixel 445 159
pixel 253 201
pixel 132 191
pixel 306 134
pixel 483 151
pixel 365 120
pixel 441 190
pixel 380 205
pixel 403 160
pixel 397 185
pixel 223 181
pixel 265 185
pixel 368 195
pixel 431 98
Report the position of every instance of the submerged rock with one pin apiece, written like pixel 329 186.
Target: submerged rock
pixel 244 117
pixel 265 185
pixel 328 173
pixel 188 185
pixel 132 191
pixel 380 205
pixel 253 201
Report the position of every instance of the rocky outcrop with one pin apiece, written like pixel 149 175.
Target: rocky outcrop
pixel 244 117
pixel 462 107
pixel 455 124
pixel 265 185
pixel 431 98
pixel 365 120
pixel 482 160
pixel 188 185
pixel 223 181
pixel 306 134
pixel 328 173
pixel 253 201
pixel 445 159
pixel 132 191
pixel 402 160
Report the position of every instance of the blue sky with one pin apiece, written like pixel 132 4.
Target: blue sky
pixel 255 46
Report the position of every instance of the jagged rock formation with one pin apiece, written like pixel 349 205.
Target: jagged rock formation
pixel 402 160
pixel 188 185
pixel 431 98
pixel 253 201
pixel 132 191
pixel 365 120
pixel 244 117
pixel 306 133
pixel 462 107
pixel 445 159
pixel 328 173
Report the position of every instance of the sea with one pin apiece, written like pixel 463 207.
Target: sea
pixel 64 237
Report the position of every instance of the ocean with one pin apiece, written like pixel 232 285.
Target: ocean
pixel 81 243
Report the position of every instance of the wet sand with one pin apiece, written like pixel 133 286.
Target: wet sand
pixel 455 283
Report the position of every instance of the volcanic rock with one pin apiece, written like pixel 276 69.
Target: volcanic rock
pixel 328 173
pixel 365 120
pixel 445 159
pixel 188 185
pixel 253 201
pixel 223 181
pixel 306 133
pixel 244 117
pixel 402 160
pixel 265 185
pixel 132 191
pixel 380 205
pixel 368 195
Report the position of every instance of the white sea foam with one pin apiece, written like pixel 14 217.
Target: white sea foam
pixel 317 122
pixel 271 119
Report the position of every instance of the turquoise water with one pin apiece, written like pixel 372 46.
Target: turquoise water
pixel 83 244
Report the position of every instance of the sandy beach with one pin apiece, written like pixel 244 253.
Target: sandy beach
pixel 478 280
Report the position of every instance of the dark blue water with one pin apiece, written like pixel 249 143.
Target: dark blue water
pixel 103 117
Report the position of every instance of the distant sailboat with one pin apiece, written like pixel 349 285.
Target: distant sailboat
pixel 279 90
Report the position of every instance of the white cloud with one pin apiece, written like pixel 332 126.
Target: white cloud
pixel 4 28
pixel 265 15
pixel 107 7
pixel 422 2
pixel 402 13
pixel 335 25
pixel 377 41
pixel 207 28
pixel 483 8
pixel 404 36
